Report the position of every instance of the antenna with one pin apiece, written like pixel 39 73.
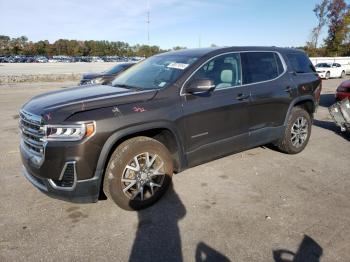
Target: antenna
pixel 148 21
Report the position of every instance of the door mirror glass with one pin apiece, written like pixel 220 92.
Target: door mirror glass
pixel 198 86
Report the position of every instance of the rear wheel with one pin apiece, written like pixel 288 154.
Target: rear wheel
pixel 297 132
pixel 138 173
pixel 342 74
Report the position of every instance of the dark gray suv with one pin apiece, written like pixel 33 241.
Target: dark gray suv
pixel 168 113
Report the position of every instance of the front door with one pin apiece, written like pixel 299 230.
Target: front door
pixel 216 123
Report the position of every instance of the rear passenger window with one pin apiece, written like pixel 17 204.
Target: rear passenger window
pixel 260 66
pixel 300 63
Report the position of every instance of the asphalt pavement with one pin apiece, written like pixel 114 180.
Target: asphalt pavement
pixel 258 205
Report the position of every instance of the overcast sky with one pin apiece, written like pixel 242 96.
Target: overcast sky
pixel 173 22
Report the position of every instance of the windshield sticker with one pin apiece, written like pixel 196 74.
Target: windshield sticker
pixel 162 84
pixel 180 66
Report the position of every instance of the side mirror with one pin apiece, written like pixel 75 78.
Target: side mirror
pixel 199 86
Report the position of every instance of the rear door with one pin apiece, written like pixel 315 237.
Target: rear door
pixel 302 73
pixel 271 93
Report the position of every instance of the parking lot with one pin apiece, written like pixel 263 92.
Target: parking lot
pixel 258 205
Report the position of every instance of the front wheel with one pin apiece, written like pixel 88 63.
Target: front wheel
pixel 138 173
pixel 328 75
pixel 297 132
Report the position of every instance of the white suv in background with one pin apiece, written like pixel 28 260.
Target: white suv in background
pixel 329 70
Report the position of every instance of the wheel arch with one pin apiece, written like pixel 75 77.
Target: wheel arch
pixel 164 132
pixel 307 102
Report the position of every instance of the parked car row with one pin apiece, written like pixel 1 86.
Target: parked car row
pixel 65 59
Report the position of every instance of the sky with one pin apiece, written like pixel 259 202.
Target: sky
pixel 190 23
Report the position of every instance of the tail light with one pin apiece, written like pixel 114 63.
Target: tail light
pixel 318 92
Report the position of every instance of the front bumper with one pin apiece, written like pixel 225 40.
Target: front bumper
pixel 84 191
pixel 66 172
pixel 322 75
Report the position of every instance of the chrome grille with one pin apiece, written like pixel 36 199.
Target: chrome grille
pixel 32 132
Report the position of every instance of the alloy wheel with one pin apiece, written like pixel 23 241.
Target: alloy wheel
pixel 143 176
pixel 299 132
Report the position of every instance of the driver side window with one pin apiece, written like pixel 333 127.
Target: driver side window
pixel 224 70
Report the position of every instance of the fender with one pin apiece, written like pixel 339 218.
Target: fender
pixel 118 135
pixel 299 99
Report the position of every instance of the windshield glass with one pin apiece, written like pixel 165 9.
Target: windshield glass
pixel 323 65
pixel 116 69
pixel 155 72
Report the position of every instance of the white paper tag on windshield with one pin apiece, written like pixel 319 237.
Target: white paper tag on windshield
pixel 178 65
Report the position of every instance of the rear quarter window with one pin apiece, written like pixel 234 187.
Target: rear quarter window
pixel 300 63
pixel 260 66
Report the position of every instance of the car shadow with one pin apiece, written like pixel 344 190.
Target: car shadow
pixel 309 251
pixel 326 100
pixel 331 126
pixel 158 235
pixel 204 253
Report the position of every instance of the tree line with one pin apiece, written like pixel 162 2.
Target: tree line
pixel 22 46
pixel 334 15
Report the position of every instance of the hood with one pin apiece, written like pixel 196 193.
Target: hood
pixel 89 76
pixel 56 106
pixel 322 68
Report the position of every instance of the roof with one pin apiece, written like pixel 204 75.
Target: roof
pixel 217 50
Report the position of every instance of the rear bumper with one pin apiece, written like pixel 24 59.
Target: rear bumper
pixel 341 95
pixel 84 191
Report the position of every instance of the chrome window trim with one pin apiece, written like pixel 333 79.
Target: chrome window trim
pixel 52 183
pixel 284 64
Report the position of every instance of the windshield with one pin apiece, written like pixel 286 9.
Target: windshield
pixel 117 68
pixel 323 65
pixel 155 72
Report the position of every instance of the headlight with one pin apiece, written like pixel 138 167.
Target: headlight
pixel 97 81
pixel 321 71
pixel 74 132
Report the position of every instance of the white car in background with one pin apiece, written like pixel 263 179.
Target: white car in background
pixel 330 70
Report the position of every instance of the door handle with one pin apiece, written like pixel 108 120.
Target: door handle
pixel 242 96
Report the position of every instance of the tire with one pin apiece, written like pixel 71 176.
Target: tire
pixel 138 173
pixel 290 143
pixel 342 74
pixel 328 75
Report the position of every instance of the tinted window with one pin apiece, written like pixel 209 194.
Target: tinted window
pixel 323 65
pixel 224 70
pixel 260 66
pixel 300 63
